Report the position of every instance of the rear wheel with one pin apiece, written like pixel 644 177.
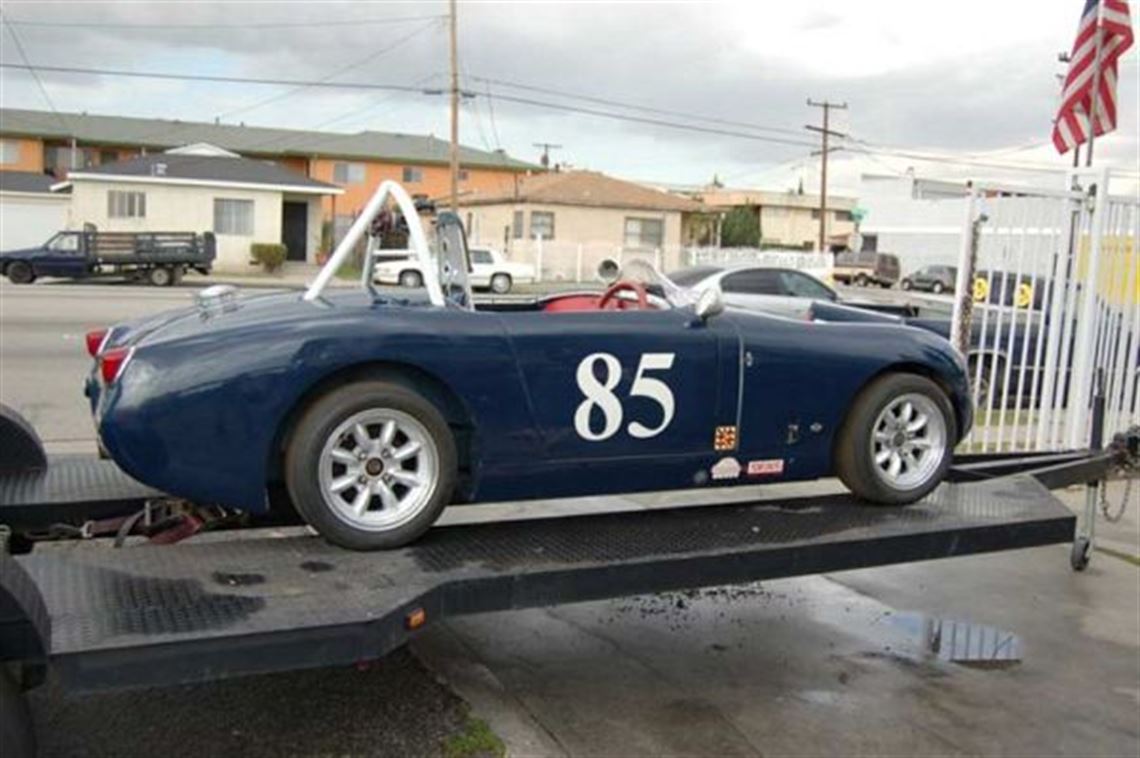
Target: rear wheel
pixel 411 279
pixel 160 276
pixel 501 284
pixel 861 280
pixel 21 272
pixel 905 284
pixel 937 288
pixel 371 465
pixel 896 443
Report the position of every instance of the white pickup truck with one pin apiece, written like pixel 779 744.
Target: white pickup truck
pixel 489 269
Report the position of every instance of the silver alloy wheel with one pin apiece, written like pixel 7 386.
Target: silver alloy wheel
pixel 379 469
pixel 908 441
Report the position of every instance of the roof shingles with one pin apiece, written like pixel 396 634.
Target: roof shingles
pixel 584 188
pixel 166 133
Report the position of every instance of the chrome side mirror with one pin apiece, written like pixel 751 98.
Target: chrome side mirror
pixel 710 303
pixel 608 270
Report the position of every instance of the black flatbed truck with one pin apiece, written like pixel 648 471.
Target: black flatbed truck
pixel 255 601
pixel 159 258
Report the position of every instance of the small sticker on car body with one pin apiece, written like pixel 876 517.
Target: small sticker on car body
pixel 726 468
pixel 771 467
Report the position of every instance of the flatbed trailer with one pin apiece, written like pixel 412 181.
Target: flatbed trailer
pixel 254 601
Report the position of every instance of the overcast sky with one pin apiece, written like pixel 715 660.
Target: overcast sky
pixel 972 79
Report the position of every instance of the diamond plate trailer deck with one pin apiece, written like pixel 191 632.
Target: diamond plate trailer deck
pixel 253 601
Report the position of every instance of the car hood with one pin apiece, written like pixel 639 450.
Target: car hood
pixel 23 252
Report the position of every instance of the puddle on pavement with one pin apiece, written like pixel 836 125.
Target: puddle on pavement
pixel 960 642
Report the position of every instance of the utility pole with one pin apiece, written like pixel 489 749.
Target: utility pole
pixel 454 107
pixel 546 148
pixel 825 132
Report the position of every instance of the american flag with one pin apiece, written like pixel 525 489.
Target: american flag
pixel 1105 22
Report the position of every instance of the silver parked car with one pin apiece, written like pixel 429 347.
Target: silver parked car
pixel 781 291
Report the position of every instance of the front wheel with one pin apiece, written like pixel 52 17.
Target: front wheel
pixel 861 280
pixel 20 272
pixel 371 465
pixel 905 284
pixel 896 443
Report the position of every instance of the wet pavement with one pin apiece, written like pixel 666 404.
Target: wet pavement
pixel 1010 653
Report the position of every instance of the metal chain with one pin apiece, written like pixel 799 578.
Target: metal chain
pixel 1105 507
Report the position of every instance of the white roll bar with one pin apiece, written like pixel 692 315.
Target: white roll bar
pixel 418 243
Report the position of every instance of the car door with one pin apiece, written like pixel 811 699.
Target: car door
pixel 761 289
pixel 631 385
pixel 63 255
pixel 482 264
pixel 805 290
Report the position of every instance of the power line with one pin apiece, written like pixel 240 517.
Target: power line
pixel 35 75
pixel 209 78
pixel 851 147
pixel 636 106
pixel 333 74
pixel 211 26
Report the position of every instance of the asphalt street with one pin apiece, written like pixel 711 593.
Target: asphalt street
pixel 837 664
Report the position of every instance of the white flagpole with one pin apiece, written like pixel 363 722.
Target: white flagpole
pixel 1096 80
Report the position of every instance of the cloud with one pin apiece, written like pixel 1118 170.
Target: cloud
pixel 915 75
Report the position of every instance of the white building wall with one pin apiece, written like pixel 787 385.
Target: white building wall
pixel 921 232
pixel 27 220
pixel 183 208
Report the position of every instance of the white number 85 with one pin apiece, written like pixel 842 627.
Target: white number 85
pixel 600 395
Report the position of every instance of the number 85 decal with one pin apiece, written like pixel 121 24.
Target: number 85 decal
pixel 600 395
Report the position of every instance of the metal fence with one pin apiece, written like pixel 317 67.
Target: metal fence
pixel 1054 281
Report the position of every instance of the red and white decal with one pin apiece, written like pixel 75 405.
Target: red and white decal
pixel 771 467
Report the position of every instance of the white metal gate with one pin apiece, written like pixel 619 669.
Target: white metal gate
pixel 1055 290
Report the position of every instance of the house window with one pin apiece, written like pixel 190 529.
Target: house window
pixel 648 233
pixel 233 217
pixel 815 213
pixel 348 173
pixel 9 151
pixel 126 204
pixel 462 174
pixel 413 174
pixel 844 216
pixel 108 156
pixel 542 222
pixel 517 226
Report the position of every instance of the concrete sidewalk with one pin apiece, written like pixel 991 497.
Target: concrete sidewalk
pixel 824 665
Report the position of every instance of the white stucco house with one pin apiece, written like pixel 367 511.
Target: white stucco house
pixel 30 212
pixel 200 188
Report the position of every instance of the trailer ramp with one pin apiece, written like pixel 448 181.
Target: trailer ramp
pixel 256 601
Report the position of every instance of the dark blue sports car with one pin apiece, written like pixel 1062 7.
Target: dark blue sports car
pixel 376 411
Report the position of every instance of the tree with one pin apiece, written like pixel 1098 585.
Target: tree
pixel 741 228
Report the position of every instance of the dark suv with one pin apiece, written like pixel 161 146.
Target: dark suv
pixel 936 279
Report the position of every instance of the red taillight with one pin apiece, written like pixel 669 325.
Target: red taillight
pixel 95 341
pixel 111 363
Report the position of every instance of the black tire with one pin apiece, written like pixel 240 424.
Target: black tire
pixel 501 284
pixel 17 734
pixel 411 279
pixel 20 272
pixel 989 393
pixel 854 453
pixel 319 422
pixel 905 284
pixel 160 276
pixel 177 273
pixel 861 280
pixel 937 288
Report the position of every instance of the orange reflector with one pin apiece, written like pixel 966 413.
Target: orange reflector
pixel 415 619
